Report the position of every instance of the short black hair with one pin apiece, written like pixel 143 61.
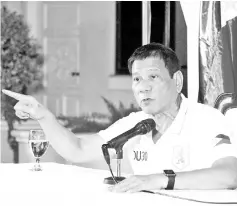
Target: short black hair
pixel 156 50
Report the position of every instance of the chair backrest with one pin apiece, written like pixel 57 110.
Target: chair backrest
pixel 227 104
pixel 231 121
pixel 226 101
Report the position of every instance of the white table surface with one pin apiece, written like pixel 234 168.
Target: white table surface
pixel 67 185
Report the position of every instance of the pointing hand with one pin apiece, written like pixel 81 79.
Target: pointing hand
pixel 27 106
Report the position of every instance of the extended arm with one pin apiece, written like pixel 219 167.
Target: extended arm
pixel 222 175
pixel 67 144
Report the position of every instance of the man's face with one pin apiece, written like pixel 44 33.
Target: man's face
pixel 153 88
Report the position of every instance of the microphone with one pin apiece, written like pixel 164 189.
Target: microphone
pixel 142 127
pixel 117 143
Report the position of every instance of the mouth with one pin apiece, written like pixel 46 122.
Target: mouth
pixel 146 101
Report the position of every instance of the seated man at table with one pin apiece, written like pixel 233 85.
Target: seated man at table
pixel 190 139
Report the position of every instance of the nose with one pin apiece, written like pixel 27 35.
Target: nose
pixel 145 86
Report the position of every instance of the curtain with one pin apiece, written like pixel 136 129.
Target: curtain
pixel 217 53
pixel 229 57
pixel 210 52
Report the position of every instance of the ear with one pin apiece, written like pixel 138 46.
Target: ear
pixel 178 77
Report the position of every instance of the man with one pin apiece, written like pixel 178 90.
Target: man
pixel 187 139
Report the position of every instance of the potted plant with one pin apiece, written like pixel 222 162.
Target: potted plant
pixel 21 66
pixel 94 122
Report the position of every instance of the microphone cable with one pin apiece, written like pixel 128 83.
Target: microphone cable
pixel 112 174
pixel 190 199
pixel 107 160
pixel 173 196
pixel 176 196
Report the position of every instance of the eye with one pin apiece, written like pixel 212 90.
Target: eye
pixel 155 76
pixel 136 79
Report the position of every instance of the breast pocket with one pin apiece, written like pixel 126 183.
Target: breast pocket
pixel 181 156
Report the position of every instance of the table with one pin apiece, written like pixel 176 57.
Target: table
pixel 69 185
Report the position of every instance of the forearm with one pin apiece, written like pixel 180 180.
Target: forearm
pixel 61 139
pixel 68 145
pixel 219 177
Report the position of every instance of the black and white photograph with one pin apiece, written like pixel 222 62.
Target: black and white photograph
pixel 118 103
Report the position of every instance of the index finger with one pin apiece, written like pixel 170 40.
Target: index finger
pixel 14 95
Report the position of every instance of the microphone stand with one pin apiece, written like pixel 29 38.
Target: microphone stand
pixel 118 178
pixel 117 143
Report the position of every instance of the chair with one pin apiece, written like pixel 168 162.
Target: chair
pixel 227 104
pixel 226 101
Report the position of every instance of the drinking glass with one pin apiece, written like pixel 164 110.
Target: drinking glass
pixel 38 145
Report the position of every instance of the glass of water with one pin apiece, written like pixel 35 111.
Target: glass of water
pixel 38 145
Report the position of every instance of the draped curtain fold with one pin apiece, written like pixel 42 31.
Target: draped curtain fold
pixel 217 53
pixel 229 57
pixel 210 53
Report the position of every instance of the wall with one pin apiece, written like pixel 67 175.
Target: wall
pixel 98 56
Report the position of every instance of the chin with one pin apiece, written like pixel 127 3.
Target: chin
pixel 151 110
pixel 148 110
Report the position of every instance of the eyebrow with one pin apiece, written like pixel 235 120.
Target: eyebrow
pixel 136 73
pixel 154 68
pixel 149 69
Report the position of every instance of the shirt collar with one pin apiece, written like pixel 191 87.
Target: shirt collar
pixel 178 122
